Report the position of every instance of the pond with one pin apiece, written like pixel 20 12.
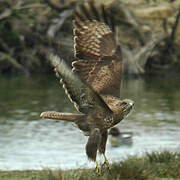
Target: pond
pixel 29 142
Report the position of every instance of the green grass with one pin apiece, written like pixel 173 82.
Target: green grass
pixel 152 166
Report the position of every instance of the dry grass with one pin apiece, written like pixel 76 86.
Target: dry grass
pixel 153 166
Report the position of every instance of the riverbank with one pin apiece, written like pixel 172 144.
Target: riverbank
pixel 152 166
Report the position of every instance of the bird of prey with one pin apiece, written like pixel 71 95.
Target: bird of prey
pixel 93 85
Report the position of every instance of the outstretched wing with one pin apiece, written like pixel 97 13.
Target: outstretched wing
pixel 84 98
pixel 98 58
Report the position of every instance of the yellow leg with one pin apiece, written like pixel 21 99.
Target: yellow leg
pixel 106 162
pixel 98 168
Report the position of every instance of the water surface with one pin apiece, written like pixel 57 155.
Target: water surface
pixel 29 142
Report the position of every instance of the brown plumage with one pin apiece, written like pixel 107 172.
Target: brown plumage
pixel 98 57
pixel 93 85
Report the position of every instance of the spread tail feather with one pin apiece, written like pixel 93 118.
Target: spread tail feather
pixel 61 116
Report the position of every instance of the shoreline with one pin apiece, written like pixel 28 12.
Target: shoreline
pixel 156 165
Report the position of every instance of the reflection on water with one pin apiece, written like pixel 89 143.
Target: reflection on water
pixel 29 142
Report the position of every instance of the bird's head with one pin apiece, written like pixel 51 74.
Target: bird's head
pixel 126 106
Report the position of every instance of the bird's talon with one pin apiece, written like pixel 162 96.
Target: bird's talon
pixel 98 170
pixel 106 164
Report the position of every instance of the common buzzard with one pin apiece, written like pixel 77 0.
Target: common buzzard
pixel 93 85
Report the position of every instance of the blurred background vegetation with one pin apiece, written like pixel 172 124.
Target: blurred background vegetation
pixel 149 32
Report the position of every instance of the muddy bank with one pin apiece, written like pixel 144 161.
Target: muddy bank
pixel 149 32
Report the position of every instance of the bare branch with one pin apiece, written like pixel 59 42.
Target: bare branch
pixel 6 14
pixel 4 46
pixel 137 58
pixel 30 6
pixel 12 61
pixel 59 7
pixel 60 21
pixel 172 37
pixel 130 20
